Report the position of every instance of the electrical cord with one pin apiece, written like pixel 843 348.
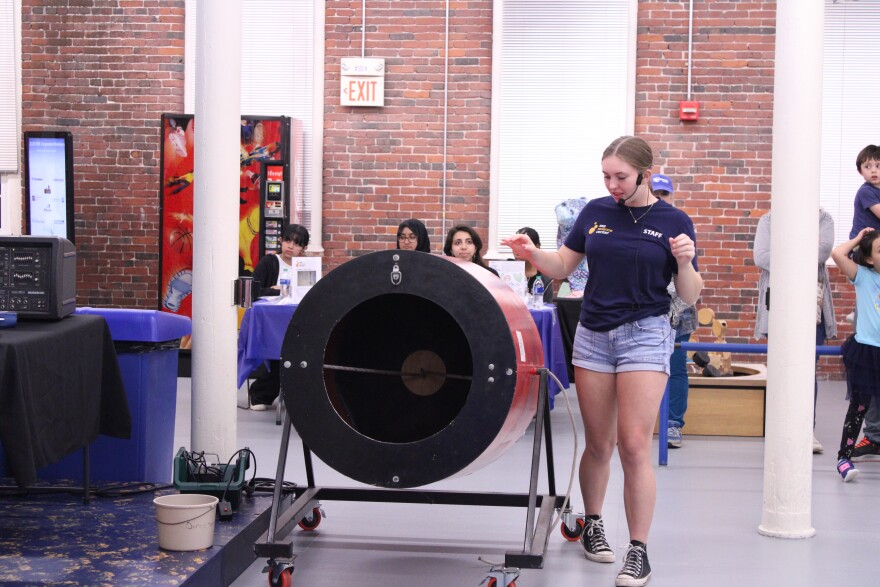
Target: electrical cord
pixel 109 491
pixel 199 470
pixel 14 491
pixel 267 485
pixel 574 458
pixel 125 489
pixel 197 465
pixel 232 475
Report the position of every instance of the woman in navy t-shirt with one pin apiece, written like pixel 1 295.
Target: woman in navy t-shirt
pixel 634 244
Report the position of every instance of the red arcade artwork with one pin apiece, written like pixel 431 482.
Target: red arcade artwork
pixel 263 139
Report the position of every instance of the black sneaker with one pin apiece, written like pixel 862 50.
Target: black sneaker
pixel 866 451
pixel 636 569
pixel 596 548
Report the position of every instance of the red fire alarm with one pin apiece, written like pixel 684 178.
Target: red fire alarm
pixel 688 110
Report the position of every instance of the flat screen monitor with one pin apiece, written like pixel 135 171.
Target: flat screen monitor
pixel 48 159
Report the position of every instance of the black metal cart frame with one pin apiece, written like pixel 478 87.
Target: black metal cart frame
pixel 288 511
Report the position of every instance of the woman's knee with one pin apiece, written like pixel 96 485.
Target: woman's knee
pixel 599 450
pixel 634 450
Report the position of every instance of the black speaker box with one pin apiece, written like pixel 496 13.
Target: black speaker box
pixel 37 276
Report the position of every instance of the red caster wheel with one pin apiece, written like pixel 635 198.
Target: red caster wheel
pixel 572 535
pixel 281 577
pixel 311 521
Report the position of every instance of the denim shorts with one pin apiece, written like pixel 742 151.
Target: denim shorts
pixel 643 345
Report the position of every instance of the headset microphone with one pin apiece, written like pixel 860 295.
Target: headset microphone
pixel 622 201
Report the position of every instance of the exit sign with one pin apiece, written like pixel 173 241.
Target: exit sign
pixel 362 82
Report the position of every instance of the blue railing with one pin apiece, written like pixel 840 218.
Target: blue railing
pixel 757 349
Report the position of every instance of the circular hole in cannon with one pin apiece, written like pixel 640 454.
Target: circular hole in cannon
pixel 398 385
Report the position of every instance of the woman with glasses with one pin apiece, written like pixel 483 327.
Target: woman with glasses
pixel 413 236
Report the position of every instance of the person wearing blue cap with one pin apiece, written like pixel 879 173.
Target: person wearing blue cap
pixel 661 185
pixel 684 320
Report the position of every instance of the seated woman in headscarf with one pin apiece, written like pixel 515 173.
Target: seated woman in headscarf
pixel 413 236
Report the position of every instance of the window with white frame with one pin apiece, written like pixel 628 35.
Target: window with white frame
pixel 281 75
pixel 9 135
pixel 849 104
pixel 563 88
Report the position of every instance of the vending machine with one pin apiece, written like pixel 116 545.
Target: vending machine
pixel 282 192
pixel 265 207
pixel 265 149
pixel 275 206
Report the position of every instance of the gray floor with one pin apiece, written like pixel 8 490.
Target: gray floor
pixel 704 530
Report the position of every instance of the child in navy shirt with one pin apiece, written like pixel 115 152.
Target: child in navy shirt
pixel 866 207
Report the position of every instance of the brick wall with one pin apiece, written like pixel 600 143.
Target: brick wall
pixel 721 164
pixel 383 165
pixel 106 70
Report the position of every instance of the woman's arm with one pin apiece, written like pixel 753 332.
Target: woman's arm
pixel 841 252
pixel 688 281
pixel 826 236
pixel 556 264
pixel 868 198
pixel 266 272
pixel 761 251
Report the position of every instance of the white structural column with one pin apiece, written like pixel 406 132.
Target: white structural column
pixel 794 234
pixel 215 234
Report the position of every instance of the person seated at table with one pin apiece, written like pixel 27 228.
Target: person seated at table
pixel 271 268
pixel 464 243
pixel 532 273
pixel 269 271
pixel 413 236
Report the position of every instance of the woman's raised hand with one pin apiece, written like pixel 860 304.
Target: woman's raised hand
pixel 683 249
pixel 521 245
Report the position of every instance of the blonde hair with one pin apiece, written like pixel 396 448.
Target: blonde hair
pixel 631 150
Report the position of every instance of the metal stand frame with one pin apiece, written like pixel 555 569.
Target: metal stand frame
pixel 86 489
pixel 304 500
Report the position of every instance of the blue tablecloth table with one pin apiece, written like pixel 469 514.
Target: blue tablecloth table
pixel 264 325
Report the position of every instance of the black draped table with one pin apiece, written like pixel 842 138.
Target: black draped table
pixel 60 387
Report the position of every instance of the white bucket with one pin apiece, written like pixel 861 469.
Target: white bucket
pixel 186 521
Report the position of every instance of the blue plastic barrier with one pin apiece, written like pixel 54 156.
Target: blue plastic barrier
pixel 147 349
pixel 715 347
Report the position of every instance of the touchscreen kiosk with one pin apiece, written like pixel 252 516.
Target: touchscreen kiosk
pixel 48 159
